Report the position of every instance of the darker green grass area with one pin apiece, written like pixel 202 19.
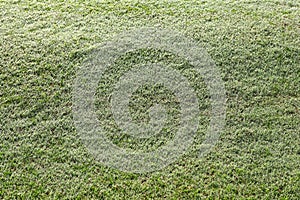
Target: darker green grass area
pixel 256 47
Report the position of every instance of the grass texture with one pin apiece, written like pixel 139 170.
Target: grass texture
pixel 256 47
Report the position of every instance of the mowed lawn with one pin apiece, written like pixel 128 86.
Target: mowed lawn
pixel 255 46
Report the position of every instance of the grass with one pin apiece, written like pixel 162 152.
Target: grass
pixel 255 45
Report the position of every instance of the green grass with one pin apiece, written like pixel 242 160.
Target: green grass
pixel 255 45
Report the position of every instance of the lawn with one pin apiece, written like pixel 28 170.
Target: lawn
pixel 255 45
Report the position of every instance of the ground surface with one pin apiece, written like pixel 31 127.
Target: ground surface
pixel 255 45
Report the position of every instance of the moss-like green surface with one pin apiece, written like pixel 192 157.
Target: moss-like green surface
pixel 255 45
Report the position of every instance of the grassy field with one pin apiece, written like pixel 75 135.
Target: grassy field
pixel 256 47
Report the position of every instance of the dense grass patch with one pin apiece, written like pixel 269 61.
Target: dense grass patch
pixel 255 45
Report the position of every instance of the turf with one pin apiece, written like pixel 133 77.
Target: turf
pixel 256 47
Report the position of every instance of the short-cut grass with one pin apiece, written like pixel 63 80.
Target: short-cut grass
pixel 256 47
